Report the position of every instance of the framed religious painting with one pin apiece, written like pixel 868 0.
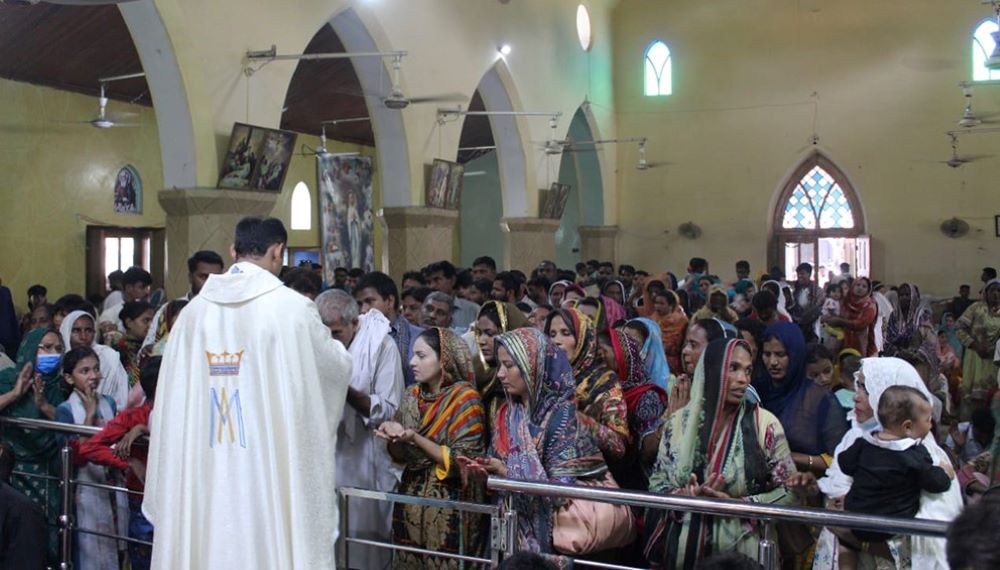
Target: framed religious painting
pixel 257 158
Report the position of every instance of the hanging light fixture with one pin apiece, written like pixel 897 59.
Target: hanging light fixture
pixel 994 61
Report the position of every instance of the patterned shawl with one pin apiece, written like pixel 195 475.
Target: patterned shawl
pixel 454 413
pixel 673 327
pixel 539 439
pixel 910 336
pixel 653 355
pixel 592 375
pixel 699 439
pixel 636 384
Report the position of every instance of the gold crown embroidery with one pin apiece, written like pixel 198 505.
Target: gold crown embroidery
pixel 225 363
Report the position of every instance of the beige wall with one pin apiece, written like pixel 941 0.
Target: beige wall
pixel 59 178
pixel 741 115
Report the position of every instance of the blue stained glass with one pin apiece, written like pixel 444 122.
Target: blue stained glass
pixel 817 202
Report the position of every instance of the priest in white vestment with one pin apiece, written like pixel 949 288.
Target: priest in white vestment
pixel 241 471
pixel 374 396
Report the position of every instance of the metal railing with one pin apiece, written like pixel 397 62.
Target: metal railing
pixel 503 520
pixel 66 522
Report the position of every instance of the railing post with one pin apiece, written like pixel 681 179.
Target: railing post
pixel 342 554
pixel 767 551
pixel 66 518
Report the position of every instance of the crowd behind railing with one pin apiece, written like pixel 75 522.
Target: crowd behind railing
pixel 589 417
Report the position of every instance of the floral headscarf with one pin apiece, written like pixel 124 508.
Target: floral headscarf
pixel 539 439
pixel 456 362
pixel 592 375
pixel 657 367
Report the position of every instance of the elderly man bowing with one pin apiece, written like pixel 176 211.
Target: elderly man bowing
pixel 373 397
pixel 241 470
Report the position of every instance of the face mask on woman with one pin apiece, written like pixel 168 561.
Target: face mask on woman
pixel 47 363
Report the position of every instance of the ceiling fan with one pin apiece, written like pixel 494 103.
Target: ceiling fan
pixel 969 118
pixel 105 120
pixel 553 146
pixel 955 161
pixel 321 151
pixel 397 100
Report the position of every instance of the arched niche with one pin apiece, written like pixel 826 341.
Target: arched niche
pixel 496 89
pixel 580 168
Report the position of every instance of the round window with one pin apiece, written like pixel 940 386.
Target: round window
pixel 583 27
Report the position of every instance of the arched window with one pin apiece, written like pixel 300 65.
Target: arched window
pixel 658 70
pixel 818 220
pixel 982 48
pixel 301 207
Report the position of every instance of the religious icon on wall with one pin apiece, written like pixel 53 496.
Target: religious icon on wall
pixel 437 189
pixel 456 175
pixel 128 191
pixel 346 213
pixel 257 158
pixel 553 201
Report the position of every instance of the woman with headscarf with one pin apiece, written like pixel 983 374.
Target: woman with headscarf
pixel 615 290
pixel 494 319
pixel 814 422
pixel 717 306
pixel 647 333
pixel 909 332
pixel 599 396
pixel 439 419
pixel 673 325
pixel 645 403
pixel 979 329
pixel 721 446
pixel 136 317
pixel 877 375
pixel 858 313
pixel 32 390
pixel 538 438
pixel 557 292
pixel 775 288
pixel 78 330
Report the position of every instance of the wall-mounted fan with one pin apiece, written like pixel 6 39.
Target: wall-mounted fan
pixel 954 228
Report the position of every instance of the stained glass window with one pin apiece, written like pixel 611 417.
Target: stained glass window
pixel 982 48
pixel 817 202
pixel 658 70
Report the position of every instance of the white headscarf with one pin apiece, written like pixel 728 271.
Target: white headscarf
pixel 114 381
pixel 880 374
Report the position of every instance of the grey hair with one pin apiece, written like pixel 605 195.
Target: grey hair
pixel 442 297
pixel 334 302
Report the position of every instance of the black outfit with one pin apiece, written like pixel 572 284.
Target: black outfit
pixel 888 482
pixel 23 534
pixel 958 306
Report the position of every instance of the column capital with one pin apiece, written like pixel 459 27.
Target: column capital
pixel 212 201
pixel 598 231
pixel 529 225
pixel 417 217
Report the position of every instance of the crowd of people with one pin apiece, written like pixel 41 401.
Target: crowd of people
pixel 856 395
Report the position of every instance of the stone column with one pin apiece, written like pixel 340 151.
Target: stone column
pixel 528 241
pixel 598 242
pixel 416 236
pixel 204 218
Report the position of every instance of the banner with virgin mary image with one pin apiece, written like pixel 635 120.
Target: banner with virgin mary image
pixel 346 213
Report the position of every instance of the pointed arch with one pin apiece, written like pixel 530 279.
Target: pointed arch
pixel 657 69
pixel 817 212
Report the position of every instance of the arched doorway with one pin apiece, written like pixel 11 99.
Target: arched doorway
pixel 580 168
pixel 818 219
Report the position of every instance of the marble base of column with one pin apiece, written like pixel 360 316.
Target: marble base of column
pixel 416 236
pixel 598 242
pixel 528 241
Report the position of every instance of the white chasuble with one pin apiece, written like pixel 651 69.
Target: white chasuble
pixel 241 470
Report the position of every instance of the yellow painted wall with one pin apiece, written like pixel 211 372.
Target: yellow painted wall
pixel 741 116
pixel 58 178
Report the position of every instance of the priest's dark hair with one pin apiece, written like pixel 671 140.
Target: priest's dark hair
pixel 255 234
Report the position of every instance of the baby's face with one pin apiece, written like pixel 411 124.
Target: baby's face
pixel 921 424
